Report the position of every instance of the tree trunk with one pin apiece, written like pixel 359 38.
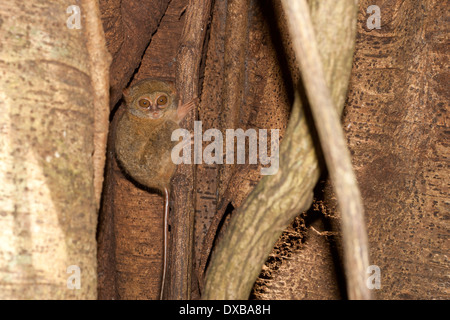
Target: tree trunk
pixel 395 126
pixel 277 199
pixel 394 122
pixel 50 132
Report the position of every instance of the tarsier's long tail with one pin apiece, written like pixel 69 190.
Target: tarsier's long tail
pixel 166 226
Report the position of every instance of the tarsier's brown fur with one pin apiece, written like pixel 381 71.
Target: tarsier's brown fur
pixel 143 138
pixel 143 144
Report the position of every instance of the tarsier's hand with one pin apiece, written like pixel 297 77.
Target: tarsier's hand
pixel 183 109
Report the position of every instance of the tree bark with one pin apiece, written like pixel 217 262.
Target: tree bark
pixel 131 220
pixel 394 123
pixel 277 199
pixel 189 56
pixel 48 203
pixel 333 144
pixel 100 60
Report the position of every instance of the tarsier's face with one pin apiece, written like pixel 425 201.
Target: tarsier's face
pixel 153 105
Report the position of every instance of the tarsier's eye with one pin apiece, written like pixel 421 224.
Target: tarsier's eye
pixel 144 103
pixel 162 100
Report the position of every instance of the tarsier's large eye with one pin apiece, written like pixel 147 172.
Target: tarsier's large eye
pixel 162 100
pixel 144 103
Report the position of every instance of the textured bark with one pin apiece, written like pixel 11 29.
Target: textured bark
pixel 100 60
pixel 336 154
pixel 48 205
pixel 394 122
pixel 265 97
pixel 189 56
pixel 277 199
pixel 131 219
pixel 233 77
pixel 129 26
pixel 397 128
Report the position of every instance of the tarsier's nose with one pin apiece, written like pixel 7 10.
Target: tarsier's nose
pixel 153 107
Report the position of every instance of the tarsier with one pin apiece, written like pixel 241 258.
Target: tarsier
pixel 143 139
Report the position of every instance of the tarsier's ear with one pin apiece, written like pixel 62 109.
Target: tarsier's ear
pixel 126 93
pixel 172 86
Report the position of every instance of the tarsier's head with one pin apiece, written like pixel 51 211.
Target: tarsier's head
pixel 150 98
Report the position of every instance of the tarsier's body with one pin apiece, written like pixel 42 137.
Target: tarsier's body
pixel 143 138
